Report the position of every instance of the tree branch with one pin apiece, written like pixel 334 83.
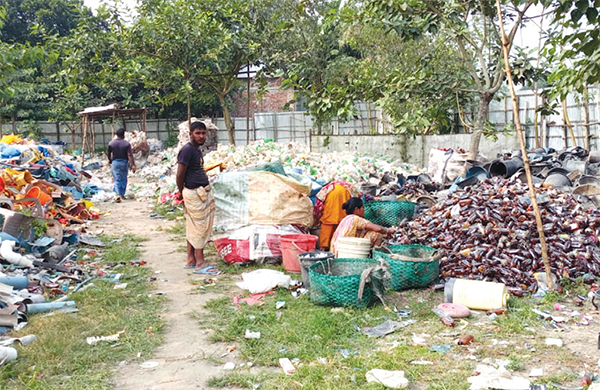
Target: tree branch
pixel 472 70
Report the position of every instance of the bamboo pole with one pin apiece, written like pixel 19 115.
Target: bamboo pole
pixel 568 121
pixel 534 203
pixel 586 117
pixel 537 65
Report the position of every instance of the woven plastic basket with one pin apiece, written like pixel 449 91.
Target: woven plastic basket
pixel 336 282
pixel 414 266
pixel 388 213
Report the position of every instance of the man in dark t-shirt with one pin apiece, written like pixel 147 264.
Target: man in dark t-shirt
pixel 199 204
pixel 120 159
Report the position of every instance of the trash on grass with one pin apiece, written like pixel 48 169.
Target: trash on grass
pixel 287 366
pixel 387 327
pixel 263 280
pixel 491 378
pixel 251 335
pixel 391 379
pixel 96 339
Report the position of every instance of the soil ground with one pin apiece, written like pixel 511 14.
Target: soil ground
pixel 184 358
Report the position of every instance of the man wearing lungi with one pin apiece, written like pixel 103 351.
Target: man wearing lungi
pixel 199 204
pixel 120 159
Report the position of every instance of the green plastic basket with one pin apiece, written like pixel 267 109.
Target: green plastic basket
pixel 388 213
pixel 335 282
pixel 419 268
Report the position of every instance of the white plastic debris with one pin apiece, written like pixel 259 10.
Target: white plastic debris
pixel 7 355
pixel 557 342
pixel 149 364
pixel 251 335
pixel 6 251
pixel 263 280
pixel 535 372
pixel 391 379
pixel 287 366
pixel 96 339
pixel 229 366
pixel 496 378
pixel 25 340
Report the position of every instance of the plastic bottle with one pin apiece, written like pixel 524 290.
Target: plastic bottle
pixel 444 317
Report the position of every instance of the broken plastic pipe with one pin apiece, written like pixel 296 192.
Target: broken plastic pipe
pixel 18 282
pixel 43 307
pixel 6 251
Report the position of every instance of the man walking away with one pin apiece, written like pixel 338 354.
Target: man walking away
pixel 120 158
pixel 199 204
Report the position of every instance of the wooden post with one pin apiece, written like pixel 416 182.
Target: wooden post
pixel 532 195
pixel 83 139
pixel 93 131
pixel 57 131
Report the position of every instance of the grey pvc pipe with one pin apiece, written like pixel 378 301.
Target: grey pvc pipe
pixel 42 307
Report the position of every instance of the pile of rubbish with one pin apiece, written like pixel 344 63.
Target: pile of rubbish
pixel 296 157
pixel 488 232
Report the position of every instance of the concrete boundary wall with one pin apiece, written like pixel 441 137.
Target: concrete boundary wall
pixel 414 150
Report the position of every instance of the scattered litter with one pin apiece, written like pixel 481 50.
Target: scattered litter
pixel 120 286
pixel 263 280
pixel 556 342
pixel 491 378
pixel 252 335
pixel 7 355
pixel 229 366
pixel 465 340
pixel 279 305
pixel 230 349
pixel 96 339
pixel 422 362
pixel 149 364
pixel 387 327
pixel 322 360
pixel 253 299
pixel 25 340
pixel 441 348
pixel 287 366
pixel 535 372
pixel 391 379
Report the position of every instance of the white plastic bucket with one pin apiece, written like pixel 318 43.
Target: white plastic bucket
pixel 352 248
pixel 476 294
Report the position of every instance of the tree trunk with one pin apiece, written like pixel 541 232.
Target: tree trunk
pixel 14 124
pixel 483 111
pixel 228 122
pixel 189 110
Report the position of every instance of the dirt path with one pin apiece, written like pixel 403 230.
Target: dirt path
pixel 183 358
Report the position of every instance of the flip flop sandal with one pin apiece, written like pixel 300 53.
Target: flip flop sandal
pixel 210 270
pixel 189 266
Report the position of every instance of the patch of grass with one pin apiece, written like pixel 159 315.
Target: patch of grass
pixel 60 358
pixel 245 381
pixel 178 228
pixel 168 211
pixel 312 333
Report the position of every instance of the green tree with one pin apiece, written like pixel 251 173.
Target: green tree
pixel 472 27
pixel 195 46
pixel 574 47
pixel 54 16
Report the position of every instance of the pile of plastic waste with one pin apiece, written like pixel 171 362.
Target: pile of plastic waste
pixel 347 166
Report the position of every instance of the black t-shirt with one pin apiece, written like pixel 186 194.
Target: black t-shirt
pixel 119 148
pixel 193 159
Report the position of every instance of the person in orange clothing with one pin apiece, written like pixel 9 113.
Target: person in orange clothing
pixel 332 213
